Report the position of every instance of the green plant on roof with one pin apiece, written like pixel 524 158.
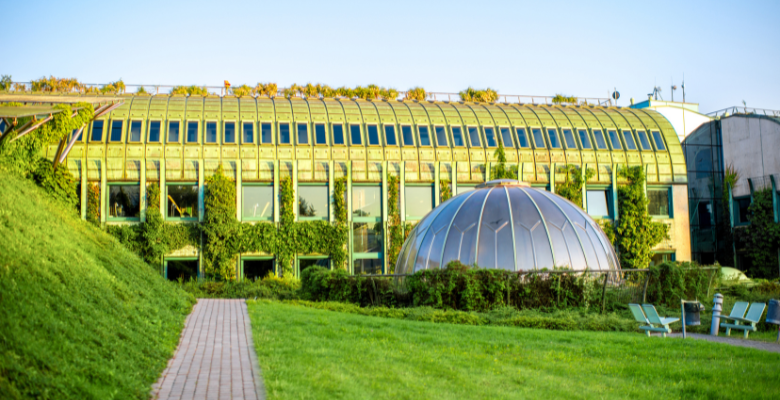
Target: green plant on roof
pixel 479 96
pixel 415 93
pixel 241 91
pixel 561 99
pixel 193 90
pixel 268 89
pixel 141 90
pixel 117 87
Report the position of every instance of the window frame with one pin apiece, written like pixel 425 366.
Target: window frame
pixel 500 132
pixel 462 139
pixel 216 134
pixel 273 201
pixel 360 132
pixel 603 138
pixel 289 132
pixel 485 136
pixel 366 219
pixel 573 136
pixel 633 138
pixel 327 191
pixel 160 134
pixel 109 218
pixel 419 135
pixel 168 131
pixel 528 141
pixel 433 195
pixel 182 219
pixel 403 138
pixel 102 131
pixel 647 137
pixel 737 217
pixel 469 137
pixel 130 132
pixel 660 136
pixel 298 133
pixel 121 131
pixel 436 135
pixel 612 142
pixel 578 137
pixel 185 139
pixel 668 190
pixel 533 136
pixel 324 125
pixel 395 133
pixel 311 257
pixel 368 256
pixel 243 131
pixel 546 132
pixel 333 133
pixel 236 132
pixel 378 136
pixel 260 133
pixel 608 193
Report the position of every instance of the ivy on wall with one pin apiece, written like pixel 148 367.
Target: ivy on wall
pixel 571 189
pixel 93 203
pixel 395 228
pixel 445 193
pixel 500 170
pixel 220 227
pixel 759 241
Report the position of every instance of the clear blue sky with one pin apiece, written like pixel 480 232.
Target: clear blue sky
pixel 729 51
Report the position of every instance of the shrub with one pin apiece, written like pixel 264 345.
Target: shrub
pixel 669 282
pixel 58 183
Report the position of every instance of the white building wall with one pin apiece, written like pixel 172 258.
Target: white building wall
pixel 684 121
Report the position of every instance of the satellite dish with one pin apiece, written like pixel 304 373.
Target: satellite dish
pixel 615 95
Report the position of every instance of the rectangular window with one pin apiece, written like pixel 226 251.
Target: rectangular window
pixel 182 201
pixel 135 131
pixel 474 136
pixel 116 131
pixel 154 132
pixel 742 207
pixel 457 137
pixel 406 132
pixel 441 136
pixel 506 138
pixel 705 215
pixel 319 134
pixel 490 136
pixel 284 133
pixel 373 135
pixel 257 203
pixel 173 132
pixel 538 139
pixel 613 138
pixel 629 138
pixel 192 132
pixel 598 206
pixel 211 132
pixel 425 139
pixel 643 141
pixel 249 132
pixel 554 143
pixel 303 133
pixel 390 135
pixel 266 133
pixel 304 263
pixel 366 201
pixel 230 132
pixel 366 237
pixel 568 136
pixel 313 202
pixel 367 266
pixel 255 269
pixel 659 141
pixel 338 134
pixel 185 270
pixel 124 201
pixel 418 201
pixel 658 202
pixel 97 131
pixel 600 143
pixel 584 139
pixel 354 131
pixel 522 140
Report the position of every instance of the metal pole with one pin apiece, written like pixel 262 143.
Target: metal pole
pixel 682 313
pixel 604 292
pixel 716 309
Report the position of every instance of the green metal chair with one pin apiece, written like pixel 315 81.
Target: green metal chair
pixel 654 319
pixel 738 311
pixel 750 320
pixel 640 317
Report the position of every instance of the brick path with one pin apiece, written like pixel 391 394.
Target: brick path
pixel 215 358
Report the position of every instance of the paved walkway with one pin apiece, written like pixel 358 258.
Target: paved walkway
pixel 216 357
pixel 753 344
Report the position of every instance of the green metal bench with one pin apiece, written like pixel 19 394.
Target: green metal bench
pixel 639 316
pixel 750 320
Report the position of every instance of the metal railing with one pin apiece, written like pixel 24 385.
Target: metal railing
pixel 744 110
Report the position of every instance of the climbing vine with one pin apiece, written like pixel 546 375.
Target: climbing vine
pixel 93 203
pixel 637 233
pixel 220 227
pixel 500 170
pixel 445 193
pixel 571 189
pixel 761 238
pixel 395 228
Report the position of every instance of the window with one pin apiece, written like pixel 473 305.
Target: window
pixel 598 206
pixel 554 143
pixel 742 205
pixel 154 131
pixel 257 269
pixel 181 269
pixel 284 133
pixel 457 137
pixel 266 133
pixel 367 266
pixel 522 140
pixel 660 258
pixel 441 136
pixel 257 203
pixel 366 201
pixel 373 135
pixel 97 131
pixel 211 132
pixel 584 139
pixel 506 138
pixel 643 141
pixel 354 132
pixel 366 237
pixel 705 215
pixel 313 202
pixel 614 140
pixel 418 201
pixel 406 132
pixel 182 201
pixel 135 131
pixel 192 132
pixel 249 132
pixel 474 136
pixel 116 131
pixel 538 139
pixel 173 132
pixel 425 139
pixel 230 132
pixel 304 263
pixel 658 202
pixel 303 133
pixel 338 134
pixel 124 201
pixel 659 141
pixel 390 135
pixel 490 136
pixel 569 138
pixel 629 139
pixel 600 143
pixel 319 134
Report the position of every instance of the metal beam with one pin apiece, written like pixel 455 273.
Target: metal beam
pixel 72 141
pixel 32 128
pixel 106 109
pixel 59 153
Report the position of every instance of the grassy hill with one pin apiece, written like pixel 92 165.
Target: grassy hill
pixel 81 317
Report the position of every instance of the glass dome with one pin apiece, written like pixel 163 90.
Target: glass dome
pixel 507 224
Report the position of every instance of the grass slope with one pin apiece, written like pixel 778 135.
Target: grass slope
pixel 314 354
pixel 80 316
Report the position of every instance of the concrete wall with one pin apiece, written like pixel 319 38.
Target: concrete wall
pixel 752 145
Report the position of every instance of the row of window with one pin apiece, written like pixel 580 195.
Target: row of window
pixel 300 134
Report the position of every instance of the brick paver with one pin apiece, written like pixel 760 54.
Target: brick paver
pixel 215 358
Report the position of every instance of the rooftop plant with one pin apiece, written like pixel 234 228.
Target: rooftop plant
pixel 479 96
pixel 561 99
pixel 193 90
pixel 415 93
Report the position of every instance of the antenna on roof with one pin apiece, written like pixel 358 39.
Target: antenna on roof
pixel 683 87
pixel 656 93
pixel 674 87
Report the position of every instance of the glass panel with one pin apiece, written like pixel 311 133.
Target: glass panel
pixel 538 138
pixel 390 135
pixel 338 134
pixel 464 189
pixel 211 132
pixel 569 138
pixel 373 135
pixel 495 233
pixel 429 255
pixel 600 143
pixel 367 237
pixel 522 140
pixel 230 132
pixel 462 237
pixel 643 141
pixel 441 136
pixel 506 138
pixel 192 132
pixel 659 141
pixel 284 133
pixel 249 132
pixel 258 269
pixel 116 131
pixel 584 139
pixel 182 201
pixel 418 201
pixel 124 201
pixel 320 135
pixel 406 132
pixel 257 202
pixel 425 140
pixel 705 215
pixel 97 131
pixel 742 206
pixel 613 138
pixel 135 131
pixel 597 203
pixel 313 201
pixel 531 243
pixel 181 269
pixel 366 201
pixel 556 225
pixel 308 262
pixel 658 202
pixel 354 131
pixel 266 133
pixel 367 266
pixel 173 132
pixel 490 136
pixel 554 143
pixel 154 131
pixel 474 136
pixel 457 137
pixel 629 138
pixel 303 133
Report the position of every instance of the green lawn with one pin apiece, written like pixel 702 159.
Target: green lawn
pixel 307 353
